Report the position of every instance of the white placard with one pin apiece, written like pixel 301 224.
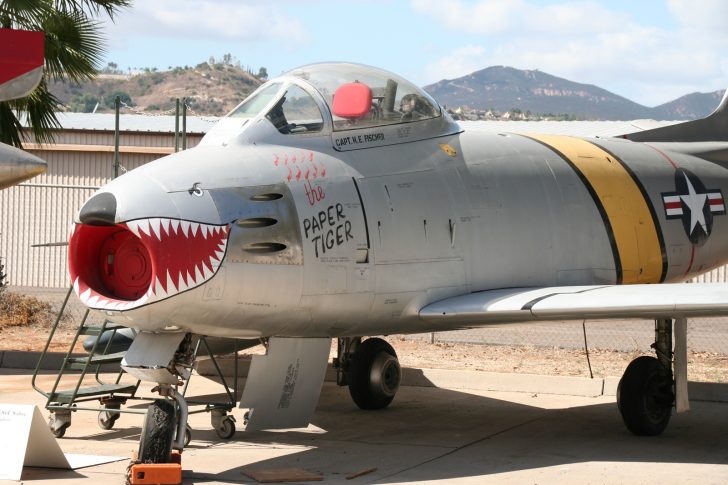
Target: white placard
pixel 26 440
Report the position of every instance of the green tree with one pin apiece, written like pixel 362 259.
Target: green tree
pixel 74 47
pixel 83 103
pixel 110 99
pixel 262 73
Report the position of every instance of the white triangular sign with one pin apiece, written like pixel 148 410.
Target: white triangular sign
pixel 27 441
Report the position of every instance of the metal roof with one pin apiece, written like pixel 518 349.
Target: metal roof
pixel 129 122
pixel 202 124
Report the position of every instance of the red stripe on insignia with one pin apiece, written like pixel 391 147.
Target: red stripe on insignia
pixel 673 205
pixel 716 201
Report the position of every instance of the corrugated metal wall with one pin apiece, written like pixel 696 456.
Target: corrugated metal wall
pixel 40 211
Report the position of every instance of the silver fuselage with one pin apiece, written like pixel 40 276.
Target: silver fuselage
pixel 363 238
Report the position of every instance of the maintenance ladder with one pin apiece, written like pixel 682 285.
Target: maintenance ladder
pixel 111 395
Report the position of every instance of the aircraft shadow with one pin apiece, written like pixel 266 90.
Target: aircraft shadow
pixel 436 433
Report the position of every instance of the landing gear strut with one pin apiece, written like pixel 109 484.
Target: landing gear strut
pixel 646 392
pixel 370 369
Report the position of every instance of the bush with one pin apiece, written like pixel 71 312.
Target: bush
pixel 22 310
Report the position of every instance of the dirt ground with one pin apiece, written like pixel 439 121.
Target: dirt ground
pixel 419 353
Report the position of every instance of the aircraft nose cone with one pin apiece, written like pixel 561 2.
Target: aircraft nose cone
pixel 99 210
pixel 17 165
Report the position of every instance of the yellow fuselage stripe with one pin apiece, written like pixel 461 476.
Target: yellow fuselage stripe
pixel 632 224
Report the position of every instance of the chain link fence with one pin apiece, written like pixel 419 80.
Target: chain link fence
pixel 704 335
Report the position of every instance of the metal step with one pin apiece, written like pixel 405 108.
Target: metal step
pixel 79 363
pixel 67 397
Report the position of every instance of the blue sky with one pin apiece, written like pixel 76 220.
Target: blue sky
pixel 648 51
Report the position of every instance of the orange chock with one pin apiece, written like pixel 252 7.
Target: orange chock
pixel 158 473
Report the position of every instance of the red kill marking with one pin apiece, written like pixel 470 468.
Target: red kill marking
pixel 310 157
pixel 290 174
pixel 275 161
pixel 315 170
pixel 308 171
pixel 298 173
pixel 294 159
pixel 323 170
pixel 285 160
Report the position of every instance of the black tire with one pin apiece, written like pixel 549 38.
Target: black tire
pixel 106 419
pixel 227 428
pixel 155 445
pixel 645 397
pixel 375 374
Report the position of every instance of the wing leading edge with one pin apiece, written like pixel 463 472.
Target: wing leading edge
pixel 513 305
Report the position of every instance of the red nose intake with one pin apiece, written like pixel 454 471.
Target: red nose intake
pixel 127 265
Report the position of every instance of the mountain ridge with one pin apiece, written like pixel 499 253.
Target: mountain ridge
pixel 503 88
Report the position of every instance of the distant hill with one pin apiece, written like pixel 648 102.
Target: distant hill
pixel 505 88
pixel 211 89
pixel 689 107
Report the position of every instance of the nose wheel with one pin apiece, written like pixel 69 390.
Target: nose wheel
pixel 160 423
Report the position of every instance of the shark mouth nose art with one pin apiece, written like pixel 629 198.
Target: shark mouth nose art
pixel 125 266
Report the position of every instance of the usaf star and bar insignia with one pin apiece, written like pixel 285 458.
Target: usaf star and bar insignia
pixel 694 205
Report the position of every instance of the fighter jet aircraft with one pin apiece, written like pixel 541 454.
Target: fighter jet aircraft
pixel 17 165
pixel 340 201
pixel 21 69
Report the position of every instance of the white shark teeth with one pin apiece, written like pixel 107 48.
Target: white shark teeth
pixel 185 226
pixel 159 289
pixel 165 226
pixel 138 227
pixel 175 225
pixel 154 224
pixel 198 274
pixel 181 284
pixel 194 226
pixel 171 288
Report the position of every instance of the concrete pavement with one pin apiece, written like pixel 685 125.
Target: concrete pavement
pixel 429 434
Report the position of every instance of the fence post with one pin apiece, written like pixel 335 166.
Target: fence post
pixel 184 123
pixel 117 106
pixel 176 125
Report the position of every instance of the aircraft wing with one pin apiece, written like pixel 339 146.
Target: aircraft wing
pixel 581 302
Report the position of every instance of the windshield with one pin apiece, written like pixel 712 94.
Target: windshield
pixel 256 102
pixel 393 99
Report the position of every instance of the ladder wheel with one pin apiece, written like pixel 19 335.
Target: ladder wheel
pixel 226 430
pixel 60 432
pixel 106 419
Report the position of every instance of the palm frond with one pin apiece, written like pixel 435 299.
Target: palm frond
pixel 40 107
pixel 110 7
pixel 24 14
pixel 10 126
pixel 74 46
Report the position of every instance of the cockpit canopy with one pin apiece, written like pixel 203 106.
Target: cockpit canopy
pixel 357 96
pixel 336 97
pixel 391 98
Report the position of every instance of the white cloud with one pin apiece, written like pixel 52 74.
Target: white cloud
pixel 586 42
pixel 460 62
pixel 208 20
